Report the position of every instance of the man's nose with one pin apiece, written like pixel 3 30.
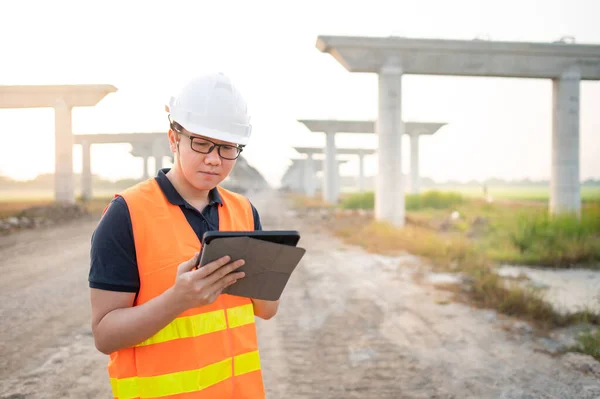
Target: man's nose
pixel 213 158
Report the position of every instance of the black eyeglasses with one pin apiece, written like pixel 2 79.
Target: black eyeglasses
pixel 205 146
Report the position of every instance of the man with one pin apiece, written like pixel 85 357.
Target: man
pixel 169 331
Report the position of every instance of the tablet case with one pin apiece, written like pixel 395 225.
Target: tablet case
pixel 268 265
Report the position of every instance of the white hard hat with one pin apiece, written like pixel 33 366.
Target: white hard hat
pixel 210 105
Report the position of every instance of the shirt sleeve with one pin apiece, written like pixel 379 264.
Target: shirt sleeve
pixel 113 263
pixel 257 224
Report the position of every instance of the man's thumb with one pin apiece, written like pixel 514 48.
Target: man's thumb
pixel 190 264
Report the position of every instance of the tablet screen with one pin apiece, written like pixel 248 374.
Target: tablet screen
pixel 285 237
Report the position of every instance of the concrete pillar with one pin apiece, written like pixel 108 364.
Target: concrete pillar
pixel 288 178
pixel 389 195
pixel 331 171
pixel 414 164
pixel 361 173
pixel 63 152
pixel 298 179
pixel 337 186
pixel 86 171
pixel 293 178
pixel 145 166
pixel 565 193
pixel 309 177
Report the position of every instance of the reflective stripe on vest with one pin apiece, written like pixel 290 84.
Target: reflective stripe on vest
pixel 206 352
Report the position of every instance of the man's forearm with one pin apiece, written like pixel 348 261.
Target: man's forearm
pixel 126 327
pixel 265 309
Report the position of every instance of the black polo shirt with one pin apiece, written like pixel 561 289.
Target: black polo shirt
pixel 113 265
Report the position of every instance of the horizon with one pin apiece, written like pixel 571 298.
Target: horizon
pixel 425 179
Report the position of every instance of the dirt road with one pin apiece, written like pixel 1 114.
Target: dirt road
pixel 351 325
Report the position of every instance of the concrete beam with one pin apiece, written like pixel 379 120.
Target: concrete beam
pixel 341 151
pixel 117 138
pixel 365 126
pixel 463 57
pixel 62 98
pixel 21 96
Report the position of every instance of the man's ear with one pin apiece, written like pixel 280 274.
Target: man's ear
pixel 173 141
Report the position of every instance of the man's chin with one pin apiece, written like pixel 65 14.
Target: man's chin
pixel 207 185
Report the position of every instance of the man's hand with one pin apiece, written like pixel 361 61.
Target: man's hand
pixel 199 287
pixel 265 309
pixel 117 324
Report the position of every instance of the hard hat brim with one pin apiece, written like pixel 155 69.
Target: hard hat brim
pixel 215 134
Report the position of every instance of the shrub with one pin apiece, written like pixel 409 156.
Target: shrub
pixel 559 240
pixel 430 199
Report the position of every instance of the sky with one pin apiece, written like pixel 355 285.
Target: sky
pixel 495 127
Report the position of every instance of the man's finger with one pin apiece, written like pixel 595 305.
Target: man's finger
pixel 210 268
pixel 189 264
pixel 224 271
pixel 225 282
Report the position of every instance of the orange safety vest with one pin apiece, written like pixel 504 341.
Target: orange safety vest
pixel 206 352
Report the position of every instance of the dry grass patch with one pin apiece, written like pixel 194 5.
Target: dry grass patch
pixel 14 207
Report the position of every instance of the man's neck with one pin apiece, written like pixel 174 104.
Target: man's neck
pixel 195 197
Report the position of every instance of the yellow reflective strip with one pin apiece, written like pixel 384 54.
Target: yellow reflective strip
pixel 125 388
pixel 240 315
pixel 189 326
pixel 114 383
pixel 184 381
pixel 246 363
pixel 172 384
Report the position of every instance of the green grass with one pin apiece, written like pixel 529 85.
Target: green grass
pixel 514 232
pixel 530 236
pixel 364 200
pixel 430 199
pixel 562 240
pixel 526 193
pixel 589 343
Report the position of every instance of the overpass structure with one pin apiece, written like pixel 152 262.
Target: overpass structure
pixel 566 64
pixel 333 127
pixel 156 145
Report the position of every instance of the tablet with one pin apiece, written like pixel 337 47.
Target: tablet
pixel 285 237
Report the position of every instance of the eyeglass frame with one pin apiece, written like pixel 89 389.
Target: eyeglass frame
pixel 214 145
